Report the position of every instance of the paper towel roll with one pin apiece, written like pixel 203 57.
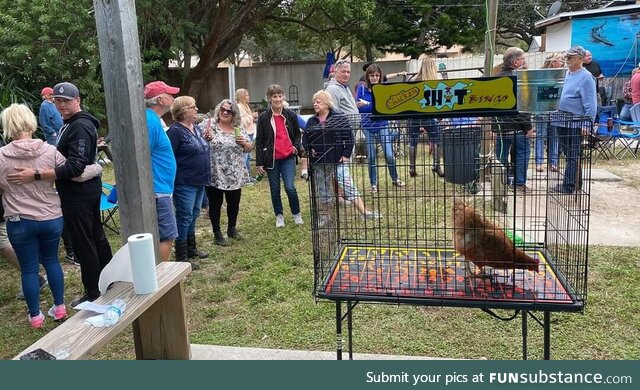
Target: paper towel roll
pixel 143 263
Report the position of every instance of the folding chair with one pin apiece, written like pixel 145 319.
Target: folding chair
pixel 629 132
pixel 108 209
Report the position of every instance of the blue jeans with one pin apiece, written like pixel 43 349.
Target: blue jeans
pixel 546 132
pixel 35 243
pixel 247 158
pixel 285 168
pixel 187 201
pixel 570 142
pixel 625 113
pixel 519 141
pixel 372 140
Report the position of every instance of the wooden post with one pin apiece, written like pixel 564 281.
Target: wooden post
pixel 490 36
pixel 122 76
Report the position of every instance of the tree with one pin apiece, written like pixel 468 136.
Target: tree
pixel 44 43
pixel 413 27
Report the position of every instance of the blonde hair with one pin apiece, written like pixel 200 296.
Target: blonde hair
pixel 178 107
pixel 428 69
pixel 324 97
pixel 241 99
pixel 548 61
pixel 17 119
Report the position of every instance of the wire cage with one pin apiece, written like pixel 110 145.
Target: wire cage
pixel 472 219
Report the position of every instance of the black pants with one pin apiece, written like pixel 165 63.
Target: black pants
pixel 66 240
pixel 82 220
pixel 215 196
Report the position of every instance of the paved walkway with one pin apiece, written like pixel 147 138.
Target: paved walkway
pixel 615 211
pixel 215 352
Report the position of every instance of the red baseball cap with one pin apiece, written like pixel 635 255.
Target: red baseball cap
pixel 157 88
pixel 46 91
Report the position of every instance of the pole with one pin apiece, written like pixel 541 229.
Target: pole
pixel 232 82
pixel 122 78
pixel 490 35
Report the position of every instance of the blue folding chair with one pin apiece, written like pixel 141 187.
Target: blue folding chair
pixel 628 133
pixel 109 208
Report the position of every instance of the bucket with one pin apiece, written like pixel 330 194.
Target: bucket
pixel 539 90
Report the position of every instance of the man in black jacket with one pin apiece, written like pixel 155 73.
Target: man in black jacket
pixel 80 201
pixel 513 132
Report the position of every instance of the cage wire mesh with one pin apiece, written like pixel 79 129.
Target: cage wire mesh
pixel 391 239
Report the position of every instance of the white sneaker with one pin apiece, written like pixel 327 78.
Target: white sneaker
pixel 279 220
pixel 297 218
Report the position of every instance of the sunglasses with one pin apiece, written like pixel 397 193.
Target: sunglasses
pixel 341 62
pixel 226 111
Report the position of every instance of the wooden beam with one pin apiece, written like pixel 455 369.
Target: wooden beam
pixel 122 77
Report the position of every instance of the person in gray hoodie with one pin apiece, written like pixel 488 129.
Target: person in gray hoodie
pixel 32 210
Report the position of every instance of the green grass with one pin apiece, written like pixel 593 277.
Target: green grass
pixel 258 292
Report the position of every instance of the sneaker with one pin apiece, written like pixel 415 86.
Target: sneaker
pixel 58 312
pixel 43 284
pixel 71 258
pixel 37 322
pixel 304 176
pixel 279 220
pixel 323 220
pixel 371 215
pixel 297 218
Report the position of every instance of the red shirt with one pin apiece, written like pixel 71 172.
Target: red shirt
pixel 283 145
pixel 635 88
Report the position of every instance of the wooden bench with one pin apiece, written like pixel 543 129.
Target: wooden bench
pixel 159 321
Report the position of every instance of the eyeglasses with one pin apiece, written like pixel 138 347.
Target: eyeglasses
pixel 191 107
pixel 226 111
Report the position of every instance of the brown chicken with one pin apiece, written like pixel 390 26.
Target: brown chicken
pixel 485 244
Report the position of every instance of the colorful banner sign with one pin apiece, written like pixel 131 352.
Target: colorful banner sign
pixel 478 96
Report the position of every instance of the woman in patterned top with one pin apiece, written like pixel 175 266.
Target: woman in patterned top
pixel 228 142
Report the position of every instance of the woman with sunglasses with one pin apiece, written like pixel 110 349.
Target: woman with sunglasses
pixel 192 174
pixel 228 142
pixel 277 149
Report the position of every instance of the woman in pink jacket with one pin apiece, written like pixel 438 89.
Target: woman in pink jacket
pixel 32 211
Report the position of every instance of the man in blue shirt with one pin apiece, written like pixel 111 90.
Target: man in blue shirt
pixel 158 98
pixel 49 117
pixel 576 113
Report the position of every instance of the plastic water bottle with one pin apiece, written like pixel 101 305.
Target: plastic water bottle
pixel 113 313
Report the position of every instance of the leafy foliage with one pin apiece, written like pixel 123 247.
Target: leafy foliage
pixel 48 42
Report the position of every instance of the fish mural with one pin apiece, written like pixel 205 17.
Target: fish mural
pixel 612 39
pixel 596 35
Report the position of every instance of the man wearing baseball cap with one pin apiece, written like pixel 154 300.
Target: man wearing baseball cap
pixel 158 98
pixel 49 117
pixel 577 110
pixel 80 201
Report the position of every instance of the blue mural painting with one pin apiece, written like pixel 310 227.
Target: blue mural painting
pixel 612 40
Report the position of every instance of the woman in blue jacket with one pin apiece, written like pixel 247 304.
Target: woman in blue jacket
pixel 375 131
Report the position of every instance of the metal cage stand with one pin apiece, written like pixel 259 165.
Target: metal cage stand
pixel 545 323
